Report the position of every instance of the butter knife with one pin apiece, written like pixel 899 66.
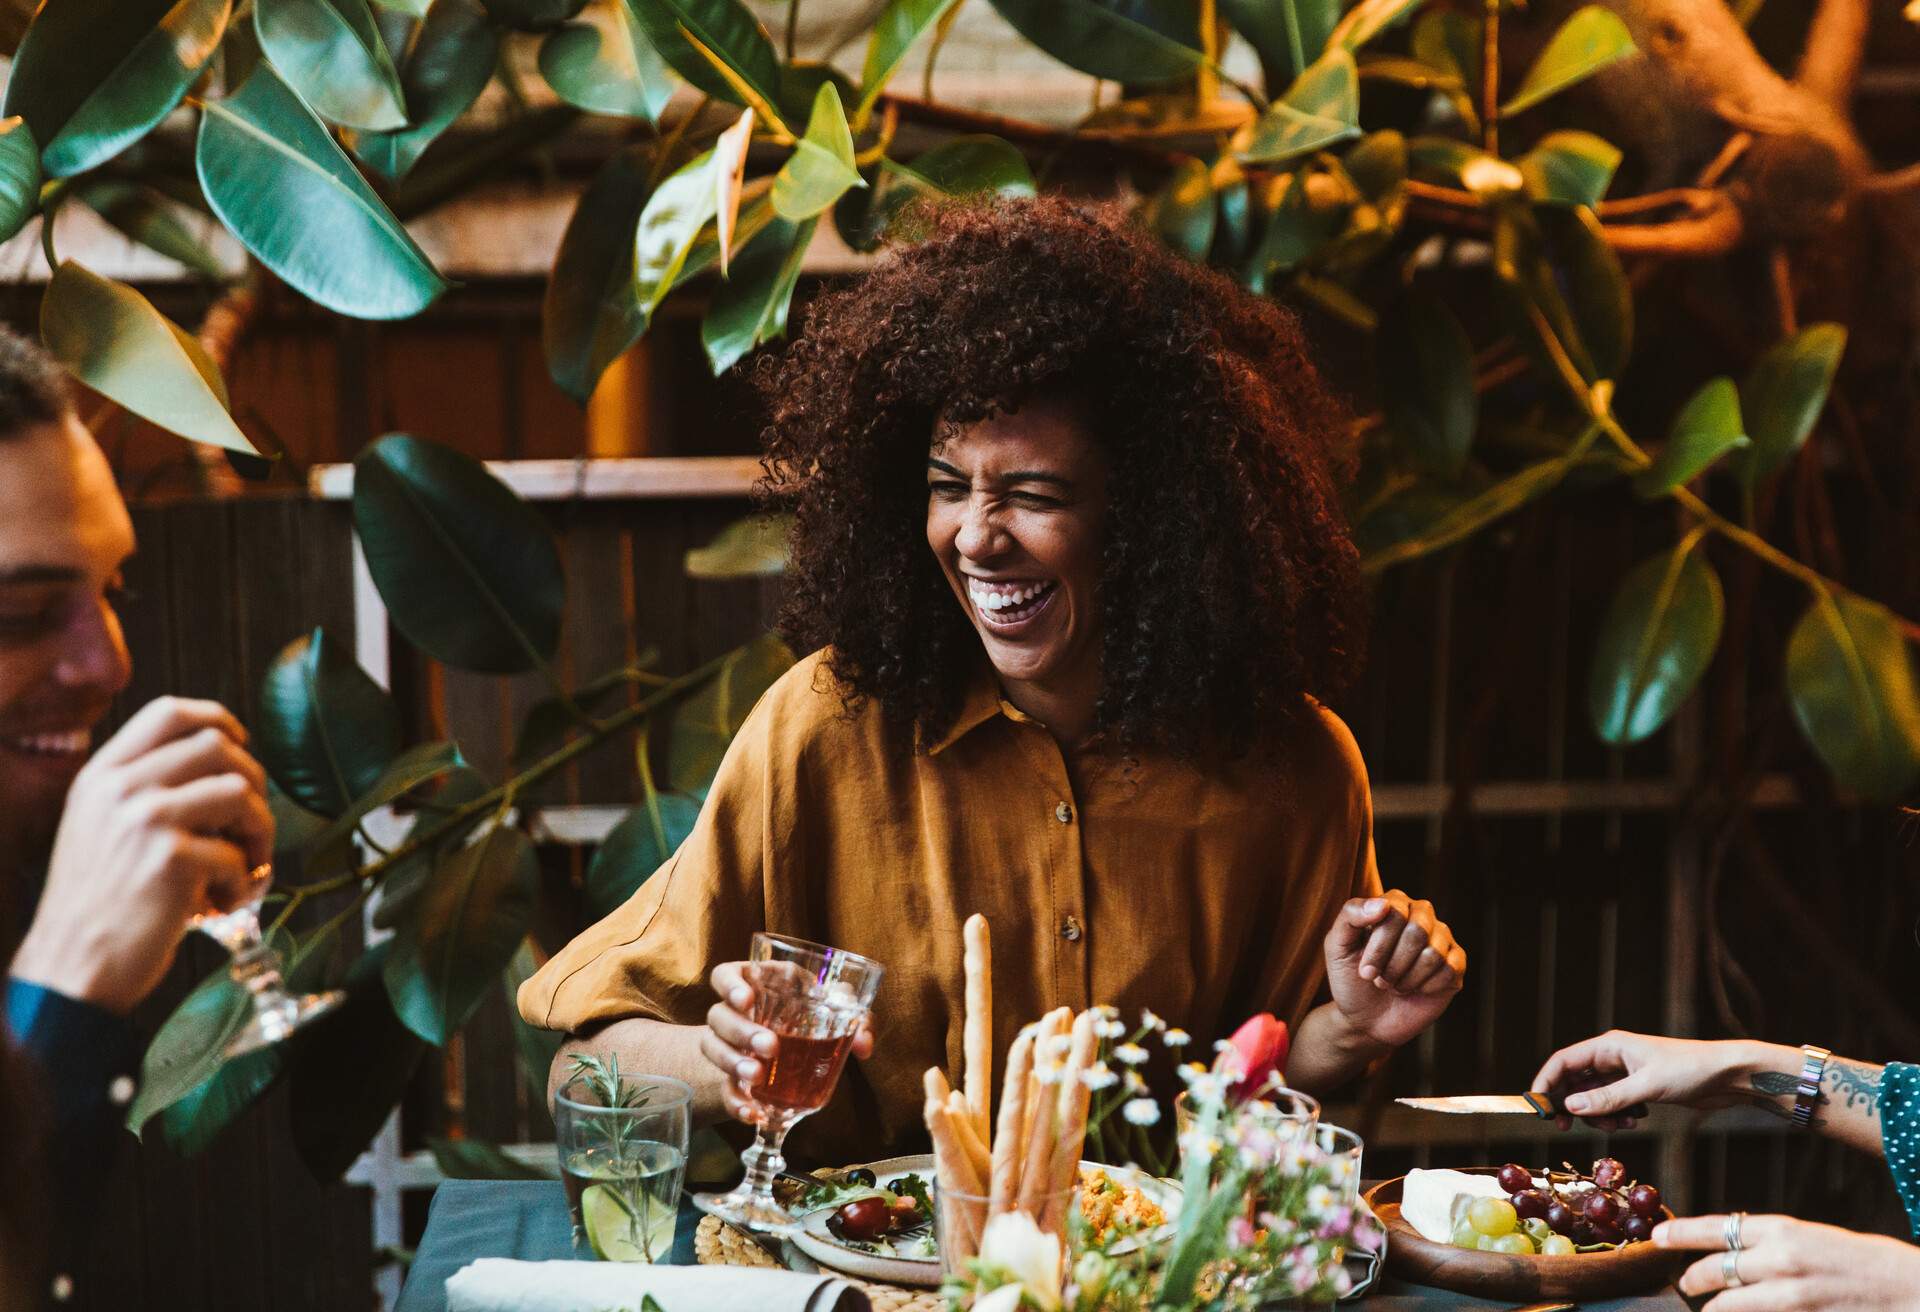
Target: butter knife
pixel 1544 1105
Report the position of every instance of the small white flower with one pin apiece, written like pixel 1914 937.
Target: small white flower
pixel 1015 1247
pixel 1109 1029
pixel 1149 1020
pixel 1058 1046
pixel 1222 1045
pixel 1099 1076
pixel 1176 1038
pixel 1135 1084
pixel 1130 1054
pixel 1192 1071
pixel 1321 1199
pixel 1141 1111
pixel 1049 1073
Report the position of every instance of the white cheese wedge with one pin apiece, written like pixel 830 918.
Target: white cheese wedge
pixel 1434 1202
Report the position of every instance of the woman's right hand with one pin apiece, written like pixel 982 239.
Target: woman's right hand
pixel 1601 1077
pixel 739 1047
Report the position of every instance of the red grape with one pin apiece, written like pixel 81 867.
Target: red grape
pixel 1608 1173
pixel 1560 1217
pixel 1637 1227
pixel 1583 1232
pixel 1601 1208
pixel 1530 1204
pixel 1515 1179
pixel 1606 1234
pixel 1644 1199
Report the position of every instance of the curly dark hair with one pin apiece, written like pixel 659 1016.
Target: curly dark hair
pixel 1229 585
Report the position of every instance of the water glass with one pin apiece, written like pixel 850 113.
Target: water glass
pixel 1342 1148
pixel 623 1160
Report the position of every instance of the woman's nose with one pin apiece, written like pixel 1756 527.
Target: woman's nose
pixel 981 535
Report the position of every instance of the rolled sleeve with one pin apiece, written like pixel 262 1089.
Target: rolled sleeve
pixel 87 1060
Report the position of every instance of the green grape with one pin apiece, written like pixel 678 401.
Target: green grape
pixel 1465 1236
pixel 1536 1230
pixel 1557 1246
pixel 1513 1243
pixel 1493 1216
pixel 1489 1243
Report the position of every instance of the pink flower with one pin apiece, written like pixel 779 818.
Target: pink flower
pixel 1258 1053
pixel 1338 1223
pixel 1240 1233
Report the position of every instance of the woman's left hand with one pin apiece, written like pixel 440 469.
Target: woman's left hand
pixel 1392 966
pixel 1795 1266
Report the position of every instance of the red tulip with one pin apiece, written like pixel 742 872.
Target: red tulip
pixel 1258 1053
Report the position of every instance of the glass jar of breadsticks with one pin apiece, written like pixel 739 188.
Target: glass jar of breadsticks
pixel 1025 1157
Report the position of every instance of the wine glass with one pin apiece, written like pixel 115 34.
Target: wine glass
pixel 256 967
pixel 813 998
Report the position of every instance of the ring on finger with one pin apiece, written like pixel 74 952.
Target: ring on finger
pixel 1731 1231
pixel 1730 1269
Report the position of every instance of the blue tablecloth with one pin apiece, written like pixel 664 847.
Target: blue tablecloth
pixel 528 1219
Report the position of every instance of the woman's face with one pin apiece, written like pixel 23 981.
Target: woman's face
pixel 1015 511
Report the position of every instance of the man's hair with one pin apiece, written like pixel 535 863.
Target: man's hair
pixel 33 386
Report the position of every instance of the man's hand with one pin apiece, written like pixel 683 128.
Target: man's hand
pixel 1795 1266
pixel 1393 967
pixel 164 822
pixel 740 1048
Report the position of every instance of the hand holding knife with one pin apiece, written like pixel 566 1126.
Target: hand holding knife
pixel 1546 1106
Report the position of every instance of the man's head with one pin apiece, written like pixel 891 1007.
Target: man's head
pixel 64 538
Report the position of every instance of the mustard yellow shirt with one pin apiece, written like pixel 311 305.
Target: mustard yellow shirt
pixel 1200 892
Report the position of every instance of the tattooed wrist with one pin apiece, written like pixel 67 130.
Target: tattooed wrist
pixel 1857 1088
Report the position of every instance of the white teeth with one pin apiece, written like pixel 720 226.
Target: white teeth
pixel 997 601
pixel 53 744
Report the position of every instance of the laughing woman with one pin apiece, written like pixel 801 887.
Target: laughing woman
pixel 1068 557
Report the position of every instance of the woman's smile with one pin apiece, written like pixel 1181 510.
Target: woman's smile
pixel 1009 606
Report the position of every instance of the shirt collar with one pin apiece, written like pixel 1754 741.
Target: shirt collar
pixel 983 701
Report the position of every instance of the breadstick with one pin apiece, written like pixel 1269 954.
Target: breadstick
pixel 969 1137
pixel 1075 1100
pixel 1037 1140
pixel 961 1222
pixel 935 1083
pixel 1005 1173
pixel 977 1034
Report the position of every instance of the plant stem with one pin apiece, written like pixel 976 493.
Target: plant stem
pixel 533 774
pixel 1296 46
pixel 1490 78
pixel 793 26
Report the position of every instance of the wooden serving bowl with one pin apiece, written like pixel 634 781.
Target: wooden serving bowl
pixel 1577 1277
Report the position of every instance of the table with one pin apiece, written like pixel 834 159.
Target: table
pixel 528 1219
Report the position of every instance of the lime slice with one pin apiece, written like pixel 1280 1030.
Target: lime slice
pixel 609 1225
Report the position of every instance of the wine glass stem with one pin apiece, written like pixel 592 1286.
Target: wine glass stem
pixel 254 966
pixel 764 1159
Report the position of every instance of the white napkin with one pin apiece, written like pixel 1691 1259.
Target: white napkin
pixel 498 1284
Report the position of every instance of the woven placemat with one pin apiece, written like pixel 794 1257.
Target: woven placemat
pixel 717 1244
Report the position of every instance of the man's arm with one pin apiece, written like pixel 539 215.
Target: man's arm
pixel 1328 1052
pixel 653 1046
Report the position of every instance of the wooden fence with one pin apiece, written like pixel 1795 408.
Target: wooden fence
pixel 1587 895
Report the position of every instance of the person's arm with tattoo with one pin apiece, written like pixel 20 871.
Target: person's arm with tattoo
pixel 1601 1076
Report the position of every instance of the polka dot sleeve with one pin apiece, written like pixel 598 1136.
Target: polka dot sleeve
pixel 1900 1133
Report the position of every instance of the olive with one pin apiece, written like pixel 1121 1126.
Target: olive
pixel 861 1175
pixel 863 1219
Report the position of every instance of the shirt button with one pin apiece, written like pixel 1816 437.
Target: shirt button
pixel 62 1289
pixel 1063 813
pixel 1070 929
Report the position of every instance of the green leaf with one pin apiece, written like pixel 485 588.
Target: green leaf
pixel 671 221
pixel 188 1049
pixel 460 931
pixel 821 167
pixel 751 306
pixel 706 721
pixel 71 50
pixel 410 8
pixel 591 313
pixel 727 30
pixel 347 1072
pixel 750 548
pixel 1377 164
pixel 403 882
pixel 468 571
pixel 1587 42
pixel 19 175
pixel 1424 362
pixel 1142 41
pixel 1263 23
pixel 1296 230
pixel 631 852
pixel 1468 517
pixel 263 157
pixel 1707 427
pixel 1449 43
pixel 1367 20
pixel 967 166
pixel 113 340
pixel 548 722
pixel 1592 318
pixel 450 63
pixel 1321 107
pixel 190 1125
pixel 326 732
pixel 476 1159
pixel 146 216
pixel 149 80
pixel 532 15
pixel 1785 391
pixel 606 65
pixel 1850 677
pixel 330 52
pixel 899 26
pixel 1656 641
pixel 1570 168
pixel 534 1047
pixel 1183 212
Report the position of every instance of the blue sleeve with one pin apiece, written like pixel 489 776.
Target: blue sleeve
pixel 1900 1133
pixel 87 1059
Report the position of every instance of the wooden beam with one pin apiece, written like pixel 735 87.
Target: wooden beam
pixel 647 478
